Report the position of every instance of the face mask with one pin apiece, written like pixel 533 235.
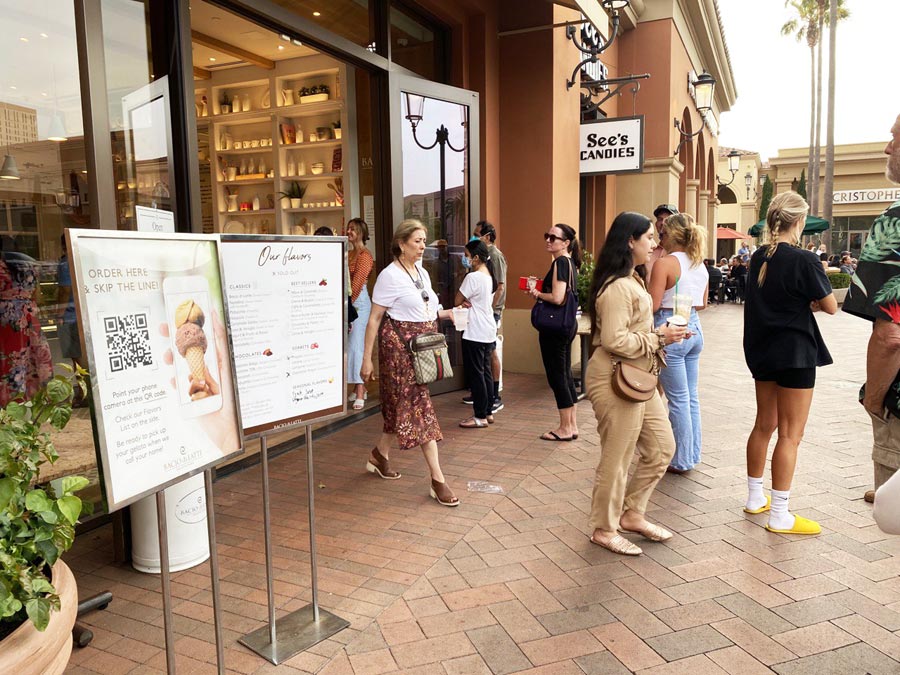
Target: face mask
pixel 466 262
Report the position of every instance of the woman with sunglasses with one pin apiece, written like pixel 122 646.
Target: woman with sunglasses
pixel 556 349
pixel 404 306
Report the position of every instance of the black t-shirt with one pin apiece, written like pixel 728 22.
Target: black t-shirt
pixel 779 328
pixel 565 271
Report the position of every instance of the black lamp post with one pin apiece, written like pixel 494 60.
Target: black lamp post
pixel 734 158
pixel 704 86
pixel 748 181
pixel 415 109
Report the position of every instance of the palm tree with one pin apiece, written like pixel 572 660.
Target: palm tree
pixel 805 25
pixel 836 12
pixel 808 22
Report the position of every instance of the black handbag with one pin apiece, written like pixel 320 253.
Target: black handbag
pixel 352 314
pixel 562 319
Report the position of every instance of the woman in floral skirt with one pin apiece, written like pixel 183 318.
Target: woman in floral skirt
pixel 25 361
pixel 403 306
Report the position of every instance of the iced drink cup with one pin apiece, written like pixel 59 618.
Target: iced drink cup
pixel 684 303
pixel 460 317
pixel 677 320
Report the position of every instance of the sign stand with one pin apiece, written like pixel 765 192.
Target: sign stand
pixel 166 581
pixel 309 625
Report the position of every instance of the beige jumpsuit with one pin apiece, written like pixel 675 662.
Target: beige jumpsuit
pixel 625 331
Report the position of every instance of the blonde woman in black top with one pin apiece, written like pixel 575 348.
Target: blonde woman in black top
pixel 783 347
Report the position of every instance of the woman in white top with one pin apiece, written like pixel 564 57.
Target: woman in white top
pixel 478 340
pixel 404 306
pixel 682 271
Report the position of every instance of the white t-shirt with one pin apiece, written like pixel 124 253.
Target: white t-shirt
pixel 476 288
pixel 395 290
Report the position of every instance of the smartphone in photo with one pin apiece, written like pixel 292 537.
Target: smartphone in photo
pixel 189 316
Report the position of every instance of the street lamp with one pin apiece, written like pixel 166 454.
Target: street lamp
pixel 748 181
pixel 415 111
pixel 9 170
pixel 704 86
pixel 734 158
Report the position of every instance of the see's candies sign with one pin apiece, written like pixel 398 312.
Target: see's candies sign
pixel 612 146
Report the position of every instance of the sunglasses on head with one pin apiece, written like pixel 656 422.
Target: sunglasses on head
pixel 552 238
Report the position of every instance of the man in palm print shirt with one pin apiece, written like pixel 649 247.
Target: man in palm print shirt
pixel 875 295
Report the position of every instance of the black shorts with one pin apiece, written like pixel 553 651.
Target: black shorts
pixel 790 378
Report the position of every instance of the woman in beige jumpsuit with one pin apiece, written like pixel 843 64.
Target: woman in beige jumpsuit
pixel 622 316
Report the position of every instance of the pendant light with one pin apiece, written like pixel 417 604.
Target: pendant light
pixel 57 130
pixel 9 170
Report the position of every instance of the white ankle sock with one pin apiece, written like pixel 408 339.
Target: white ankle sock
pixel 779 518
pixel 755 497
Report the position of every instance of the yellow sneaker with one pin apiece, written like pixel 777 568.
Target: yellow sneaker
pixel 761 509
pixel 801 526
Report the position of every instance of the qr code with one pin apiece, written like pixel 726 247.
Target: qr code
pixel 128 342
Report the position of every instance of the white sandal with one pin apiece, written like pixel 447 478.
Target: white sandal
pixel 359 404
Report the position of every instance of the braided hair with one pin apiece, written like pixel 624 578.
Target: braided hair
pixel 785 210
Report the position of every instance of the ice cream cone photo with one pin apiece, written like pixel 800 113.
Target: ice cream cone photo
pixel 194 351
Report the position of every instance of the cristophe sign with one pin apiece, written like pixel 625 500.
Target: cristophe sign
pixel 866 195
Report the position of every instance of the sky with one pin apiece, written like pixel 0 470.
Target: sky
pixel 772 74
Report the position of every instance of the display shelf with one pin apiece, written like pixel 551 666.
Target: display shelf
pixel 247 151
pixel 262 115
pixel 249 181
pixel 312 145
pixel 310 109
pixel 316 209
pixel 309 176
pixel 260 212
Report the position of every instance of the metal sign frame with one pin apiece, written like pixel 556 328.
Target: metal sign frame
pixel 640 167
pixel 73 238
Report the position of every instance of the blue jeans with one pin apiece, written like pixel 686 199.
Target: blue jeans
pixel 679 381
pixel 356 343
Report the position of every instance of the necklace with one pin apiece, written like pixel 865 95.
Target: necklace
pixel 418 283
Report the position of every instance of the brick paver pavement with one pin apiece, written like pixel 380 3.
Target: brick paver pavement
pixel 510 583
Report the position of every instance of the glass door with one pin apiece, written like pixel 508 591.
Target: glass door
pixel 435 160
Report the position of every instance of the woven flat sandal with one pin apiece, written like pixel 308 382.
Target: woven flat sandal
pixel 801 526
pixel 443 494
pixel 379 464
pixel 473 423
pixel 651 532
pixel 618 544
pixel 762 509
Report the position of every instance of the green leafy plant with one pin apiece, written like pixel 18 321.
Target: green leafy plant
pixel 37 524
pixel 839 280
pixel 294 191
pixel 583 282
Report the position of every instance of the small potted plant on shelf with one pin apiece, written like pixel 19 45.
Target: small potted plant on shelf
pixel 38 597
pixel 294 195
pixel 337 129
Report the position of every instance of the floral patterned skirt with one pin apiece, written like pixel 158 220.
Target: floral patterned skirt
pixel 25 361
pixel 405 405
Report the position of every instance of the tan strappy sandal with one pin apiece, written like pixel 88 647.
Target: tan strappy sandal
pixel 651 532
pixel 618 544
pixel 379 464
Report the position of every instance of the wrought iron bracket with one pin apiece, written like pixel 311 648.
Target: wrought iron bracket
pixel 592 51
pixel 687 137
pixel 597 87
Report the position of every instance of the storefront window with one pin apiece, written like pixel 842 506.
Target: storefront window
pixel 347 18
pixel 43 191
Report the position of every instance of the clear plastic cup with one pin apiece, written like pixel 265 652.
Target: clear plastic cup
pixel 460 317
pixel 677 320
pixel 684 303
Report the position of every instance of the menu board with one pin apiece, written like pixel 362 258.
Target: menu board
pixel 287 303
pixel 153 317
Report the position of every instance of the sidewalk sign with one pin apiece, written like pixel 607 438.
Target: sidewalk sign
pixel 153 320
pixel 287 300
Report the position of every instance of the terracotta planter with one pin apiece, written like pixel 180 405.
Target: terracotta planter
pixel 29 652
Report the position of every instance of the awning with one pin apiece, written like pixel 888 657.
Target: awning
pixel 813 225
pixel 728 233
